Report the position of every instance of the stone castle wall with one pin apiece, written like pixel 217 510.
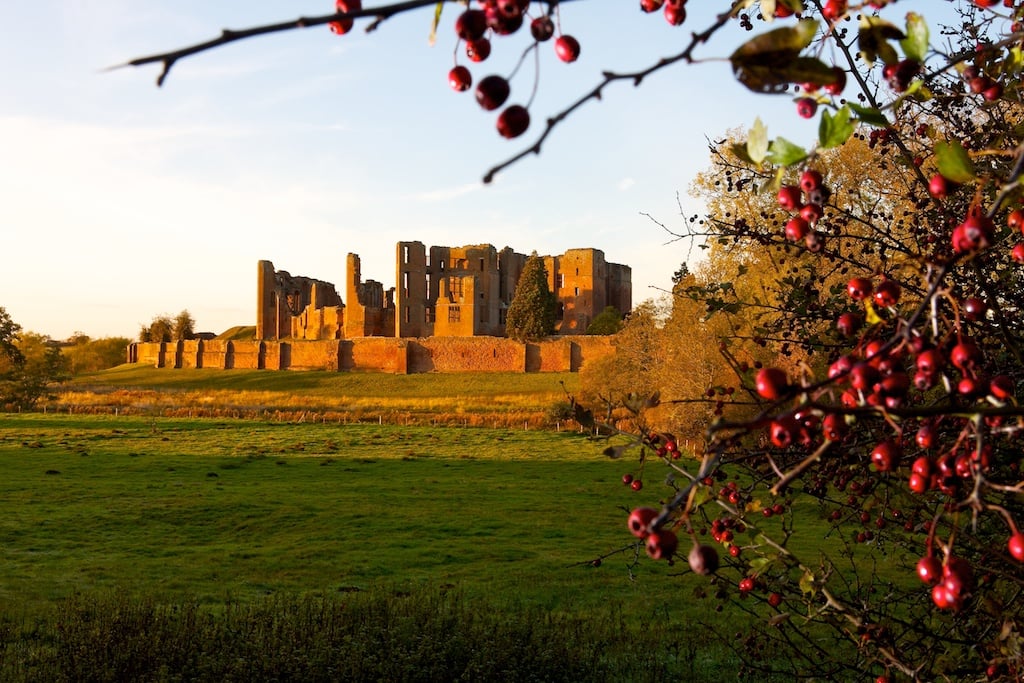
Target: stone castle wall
pixel 379 354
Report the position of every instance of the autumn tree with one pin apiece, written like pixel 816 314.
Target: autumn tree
pixel 531 315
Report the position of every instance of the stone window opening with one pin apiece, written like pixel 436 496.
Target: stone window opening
pixel 454 314
pixel 481 265
pixel 405 254
pixel 561 280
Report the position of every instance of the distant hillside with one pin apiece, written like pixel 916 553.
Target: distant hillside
pixel 238 333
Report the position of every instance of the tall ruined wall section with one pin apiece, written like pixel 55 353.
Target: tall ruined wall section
pixel 440 292
pixel 379 354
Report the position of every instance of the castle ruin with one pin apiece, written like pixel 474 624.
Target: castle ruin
pixel 440 292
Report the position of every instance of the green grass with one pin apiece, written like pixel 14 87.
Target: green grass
pixel 229 512
pixel 219 509
pixel 114 513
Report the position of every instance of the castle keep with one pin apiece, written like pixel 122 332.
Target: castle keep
pixel 440 292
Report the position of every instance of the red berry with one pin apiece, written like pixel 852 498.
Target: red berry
pixel 567 48
pixel 1015 221
pixel 627 479
pixel 789 197
pixel 811 212
pixel 1001 386
pixel 542 28
pixel 974 233
pixel 965 355
pixel 939 187
pixel 834 427
pixel 460 79
pixel 837 86
pixel 344 25
pixel 859 288
pixel 887 293
pixel 649 6
pixel 746 584
pixel 885 456
pixel 796 229
pixel 1016 546
pixel 929 569
pixel 774 599
pixel 675 13
pixel 492 92
pixel 478 50
pixel 974 308
pixel 703 560
pixel 636 484
pixel 810 180
pixel 771 383
pixel 661 544
pixel 471 24
pixel 1017 253
pixel 806 107
pixel 639 519
pixel 514 121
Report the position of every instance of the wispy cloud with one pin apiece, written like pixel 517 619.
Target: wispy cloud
pixel 626 183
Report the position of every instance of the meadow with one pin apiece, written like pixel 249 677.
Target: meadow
pixel 143 547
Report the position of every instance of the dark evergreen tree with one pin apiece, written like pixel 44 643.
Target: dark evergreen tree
pixel 531 314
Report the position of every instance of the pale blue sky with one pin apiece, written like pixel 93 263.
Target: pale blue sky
pixel 120 201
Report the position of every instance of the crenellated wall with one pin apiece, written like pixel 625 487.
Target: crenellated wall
pixel 379 354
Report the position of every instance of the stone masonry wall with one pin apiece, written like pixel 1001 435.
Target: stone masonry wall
pixel 381 354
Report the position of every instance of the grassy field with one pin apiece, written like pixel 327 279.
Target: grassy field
pixel 117 528
pixel 216 513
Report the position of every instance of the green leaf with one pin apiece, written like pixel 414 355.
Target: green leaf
pixel 870 115
pixel 757 142
pixel 784 153
pixel 771 61
pixel 833 131
pixel 915 45
pixel 873 37
pixel 807 582
pixel 954 163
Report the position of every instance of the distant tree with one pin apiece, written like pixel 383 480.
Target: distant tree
pixel 161 329
pixel 184 326
pixel 92 355
pixel 29 364
pixel 608 321
pixel 44 365
pixel 531 315
pixel 11 359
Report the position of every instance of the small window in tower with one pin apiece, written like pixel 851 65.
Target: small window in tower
pixel 560 313
pixel 405 283
pixel 561 280
pixel 405 254
pixel 575 291
pixel 441 264
pixel 481 264
pixel 577 272
pixel 406 314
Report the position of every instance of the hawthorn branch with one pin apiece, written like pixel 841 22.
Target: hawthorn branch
pixel 696 39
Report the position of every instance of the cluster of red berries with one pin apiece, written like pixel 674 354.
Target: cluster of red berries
pixel 807 201
pixel 674 10
pixel 474 27
pixel 748 584
pixel 951 581
pixel 660 544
